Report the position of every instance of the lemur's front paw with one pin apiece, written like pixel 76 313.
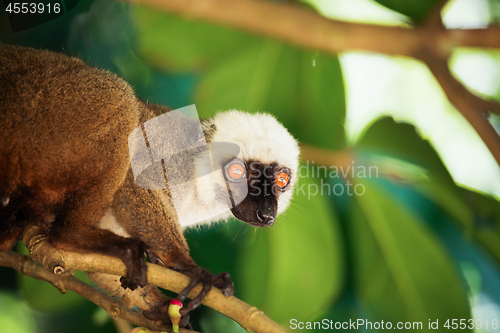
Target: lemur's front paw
pixel 135 263
pixel 198 275
pixel 224 283
pixel 201 275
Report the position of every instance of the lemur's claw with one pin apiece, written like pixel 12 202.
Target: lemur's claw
pixel 155 259
pixel 135 262
pixel 200 275
pixel 184 323
pixel 224 283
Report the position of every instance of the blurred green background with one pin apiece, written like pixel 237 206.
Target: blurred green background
pixel 420 238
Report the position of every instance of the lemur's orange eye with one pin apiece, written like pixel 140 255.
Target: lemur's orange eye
pixel 282 180
pixel 235 171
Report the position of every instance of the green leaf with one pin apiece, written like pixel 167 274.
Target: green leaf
pixel 215 322
pixel 451 200
pixel 41 295
pixel 296 268
pixel 15 315
pixel 416 10
pixel 402 273
pixel 401 140
pixel 303 89
pixel 226 242
pixel 477 214
pixel 174 43
pixel 343 311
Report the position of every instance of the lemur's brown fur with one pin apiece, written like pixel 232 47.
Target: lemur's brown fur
pixel 64 163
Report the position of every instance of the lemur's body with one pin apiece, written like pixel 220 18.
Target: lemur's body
pixel 64 165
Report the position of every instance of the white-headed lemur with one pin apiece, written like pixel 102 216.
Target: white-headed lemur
pixel 65 165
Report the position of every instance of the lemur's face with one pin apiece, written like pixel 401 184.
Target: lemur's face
pixel 265 184
pixel 260 180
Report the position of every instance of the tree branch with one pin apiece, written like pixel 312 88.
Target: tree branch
pixel 59 262
pixel 26 266
pixel 488 38
pixel 304 28
pixel 474 109
pixel 292 24
pixel 430 42
pixel 343 159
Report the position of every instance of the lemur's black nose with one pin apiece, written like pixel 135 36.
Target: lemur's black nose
pixel 264 218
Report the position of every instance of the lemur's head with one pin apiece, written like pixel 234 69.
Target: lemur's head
pixel 266 166
pixel 237 164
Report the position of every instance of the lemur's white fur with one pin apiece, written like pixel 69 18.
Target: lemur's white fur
pixel 260 137
pixel 109 222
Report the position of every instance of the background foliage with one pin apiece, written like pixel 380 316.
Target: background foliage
pixel 415 246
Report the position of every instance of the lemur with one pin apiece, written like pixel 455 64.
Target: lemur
pixel 65 165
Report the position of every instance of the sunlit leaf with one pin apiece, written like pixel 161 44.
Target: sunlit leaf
pixel 344 311
pixel 225 242
pixel 303 89
pixel 401 140
pixel 15 315
pixel 403 272
pixel 476 213
pixel 174 43
pixel 215 322
pixel 41 295
pixel 296 268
